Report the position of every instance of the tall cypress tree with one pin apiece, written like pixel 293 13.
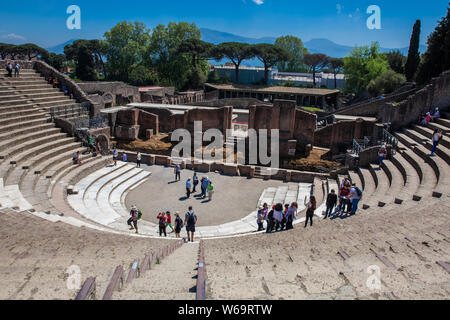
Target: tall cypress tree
pixel 413 53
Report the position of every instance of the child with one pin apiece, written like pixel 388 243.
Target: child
pixel 262 214
pixel 169 221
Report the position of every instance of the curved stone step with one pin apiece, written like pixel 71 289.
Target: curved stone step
pixel 22 124
pixel 411 180
pixel 369 186
pixel 20 136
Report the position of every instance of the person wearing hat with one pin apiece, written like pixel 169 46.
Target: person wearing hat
pixel 134 218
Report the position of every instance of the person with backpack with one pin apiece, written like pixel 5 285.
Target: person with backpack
pixel 354 196
pixel 190 221
pixel 169 221
pixel 16 69
pixel 133 219
pixel 331 203
pixel 311 207
pixel 162 224
pixel 9 69
pixel 437 136
pixel 177 171
pixel 270 220
pixel 178 224
pixel 262 215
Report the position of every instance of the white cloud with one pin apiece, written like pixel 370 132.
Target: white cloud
pixel 339 8
pixel 12 36
pixel 258 2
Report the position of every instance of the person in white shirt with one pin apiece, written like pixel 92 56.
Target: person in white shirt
pixel 138 159
pixel 354 196
pixel 278 215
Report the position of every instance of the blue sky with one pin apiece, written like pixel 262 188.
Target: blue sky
pixel 342 21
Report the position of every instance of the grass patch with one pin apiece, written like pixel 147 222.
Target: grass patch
pixel 312 109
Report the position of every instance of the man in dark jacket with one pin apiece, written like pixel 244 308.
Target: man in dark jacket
pixel 331 203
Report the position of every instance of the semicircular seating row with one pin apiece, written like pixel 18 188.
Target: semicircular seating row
pixel 36 167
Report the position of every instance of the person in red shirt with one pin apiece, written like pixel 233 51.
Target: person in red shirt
pixel 169 220
pixel 162 224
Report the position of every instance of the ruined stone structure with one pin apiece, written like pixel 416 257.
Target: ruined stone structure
pixel 302 96
pixel 132 124
pixel 296 126
pixel 111 94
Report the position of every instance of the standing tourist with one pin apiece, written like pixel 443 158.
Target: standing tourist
pixel 291 216
pixel 382 154
pixel 278 216
pixel 262 215
pixel 16 70
pixel 205 184
pixel 115 155
pixel 343 201
pixel 138 159
pixel 9 68
pixel 354 196
pixel 162 224
pixel 169 220
pixel 331 203
pixel 311 207
pixel 134 213
pixel 177 171
pixel 437 136
pixel 188 188
pixel 190 221
pixel 124 157
pixel 195 180
pixel 210 190
pixel 270 220
pixel 178 224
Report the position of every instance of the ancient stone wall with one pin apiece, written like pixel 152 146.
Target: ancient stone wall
pixel 132 124
pixel 436 94
pixel 220 119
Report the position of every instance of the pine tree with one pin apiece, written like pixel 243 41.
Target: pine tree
pixel 413 53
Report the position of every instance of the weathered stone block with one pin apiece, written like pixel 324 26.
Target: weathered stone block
pixel 127 132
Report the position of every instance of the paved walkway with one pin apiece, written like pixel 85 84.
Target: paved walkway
pixel 234 197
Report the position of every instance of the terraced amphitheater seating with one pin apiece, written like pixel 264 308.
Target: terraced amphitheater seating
pixel 37 253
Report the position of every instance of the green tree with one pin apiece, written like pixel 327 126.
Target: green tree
pixel 85 67
pixel 6 50
pixel 437 57
pixel 385 83
pixel 295 47
pixel 140 75
pixel 362 65
pixel 55 60
pixel 336 65
pixel 413 61
pixel 30 51
pixel 197 49
pixel 174 67
pixel 126 46
pixel 316 62
pixel 396 61
pixel 269 55
pixel 96 48
pixel 236 52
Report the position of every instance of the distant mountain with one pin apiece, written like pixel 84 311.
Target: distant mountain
pixel 59 49
pixel 325 46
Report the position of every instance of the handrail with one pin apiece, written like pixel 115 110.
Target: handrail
pixel 201 277
pixel 356 147
pixel 390 139
pixel 87 291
